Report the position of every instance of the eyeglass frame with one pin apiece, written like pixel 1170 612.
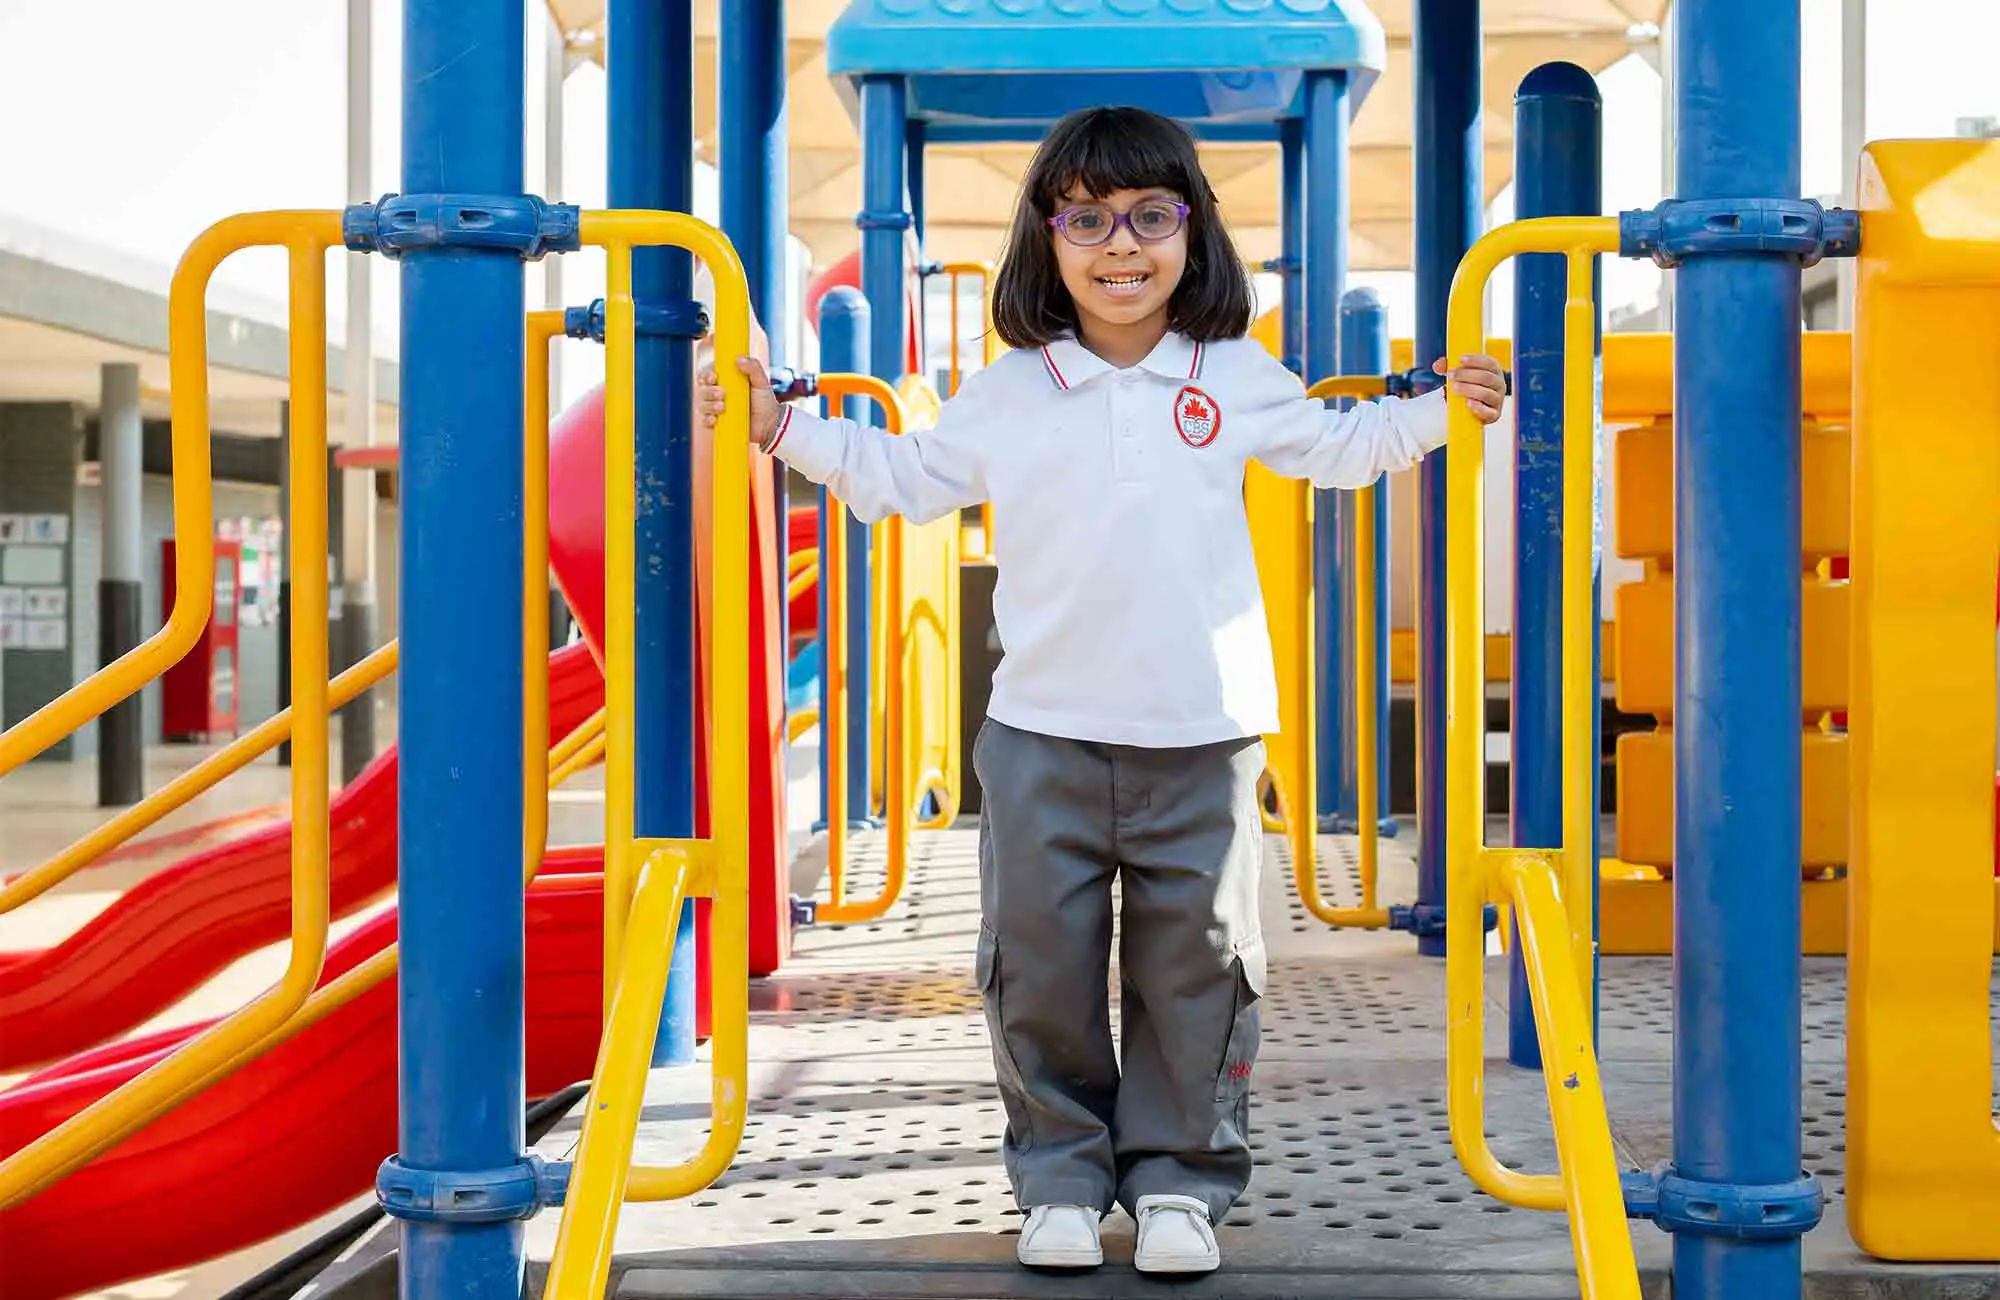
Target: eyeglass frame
pixel 1060 222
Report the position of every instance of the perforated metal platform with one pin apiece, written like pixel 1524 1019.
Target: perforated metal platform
pixel 870 1165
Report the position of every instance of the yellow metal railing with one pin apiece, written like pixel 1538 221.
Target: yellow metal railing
pixel 1549 889
pixel 839 692
pixel 989 347
pixel 646 881
pixel 543 770
pixel 305 237
pixel 1298 781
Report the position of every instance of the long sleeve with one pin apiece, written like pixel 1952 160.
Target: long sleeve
pixel 921 476
pixel 1299 437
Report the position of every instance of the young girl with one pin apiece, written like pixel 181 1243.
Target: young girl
pixel 1124 733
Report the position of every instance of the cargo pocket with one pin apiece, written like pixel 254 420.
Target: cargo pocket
pixel 1006 1073
pixel 1239 1056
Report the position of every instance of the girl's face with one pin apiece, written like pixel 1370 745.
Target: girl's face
pixel 1128 279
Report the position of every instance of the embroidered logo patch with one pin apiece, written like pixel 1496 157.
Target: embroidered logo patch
pixel 1196 417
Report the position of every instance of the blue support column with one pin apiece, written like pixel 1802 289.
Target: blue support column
pixel 651 128
pixel 844 320
pixel 1445 41
pixel 1558 149
pixel 461 1052
pixel 754 172
pixel 1292 243
pixel 884 222
pixel 1324 244
pixel 1364 350
pixel 1736 649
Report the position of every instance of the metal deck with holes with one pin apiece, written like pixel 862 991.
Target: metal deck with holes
pixel 870 1165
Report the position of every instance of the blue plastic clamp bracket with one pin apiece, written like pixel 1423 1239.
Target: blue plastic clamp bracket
pixel 1742 1211
pixel 883 220
pixel 790 385
pixel 1283 265
pixel 1418 380
pixel 1674 230
pixel 470 1195
pixel 1426 921
pixel 519 223
pixel 685 319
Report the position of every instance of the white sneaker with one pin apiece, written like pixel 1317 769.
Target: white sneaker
pixel 1175 1236
pixel 1060 1236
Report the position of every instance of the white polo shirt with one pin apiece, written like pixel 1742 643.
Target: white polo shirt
pixel 1127 604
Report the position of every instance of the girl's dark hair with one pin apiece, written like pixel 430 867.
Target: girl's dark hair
pixel 1101 151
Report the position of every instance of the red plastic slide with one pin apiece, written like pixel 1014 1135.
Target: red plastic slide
pixel 292 1135
pixel 162 938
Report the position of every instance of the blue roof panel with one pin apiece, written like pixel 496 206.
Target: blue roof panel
pixel 1003 69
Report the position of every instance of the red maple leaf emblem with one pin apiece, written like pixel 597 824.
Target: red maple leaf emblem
pixel 1195 410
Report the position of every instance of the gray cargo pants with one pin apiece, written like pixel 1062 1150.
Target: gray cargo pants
pixel 1180 829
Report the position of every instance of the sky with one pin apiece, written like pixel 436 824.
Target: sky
pixel 155 119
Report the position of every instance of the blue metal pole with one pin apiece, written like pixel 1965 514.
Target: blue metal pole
pixel 1292 243
pixel 461 1044
pixel 751 126
pixel 1557 172
pixel 1364 350
pixel 884 221
pixel 1323 241
pixel 1445 40
pixel 651 121
pixel 1736 648
pixel 844 320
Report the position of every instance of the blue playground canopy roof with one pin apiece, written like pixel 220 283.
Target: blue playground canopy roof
pixel 1004 70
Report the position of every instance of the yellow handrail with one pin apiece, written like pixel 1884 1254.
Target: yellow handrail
pixel 1301 806
pixel 646 881
pixel 306 237
pixel 1548 888
pixel 539 776
pixel 895 801
pixel 988 345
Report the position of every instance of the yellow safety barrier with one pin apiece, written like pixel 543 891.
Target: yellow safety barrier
pixel 931 661
pixel 989 347
pixel 1548 888
pixel 840 692
pixel 305 237
pixel 1923 1154
pixel 542 327
pixel 646 881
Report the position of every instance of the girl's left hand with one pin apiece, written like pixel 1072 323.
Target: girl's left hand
pixel 1480 381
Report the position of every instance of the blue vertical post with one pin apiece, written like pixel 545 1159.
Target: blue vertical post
pixel 651 128
pixel 1445 41
pixel 1292 243
pixel 883 221
pixel 1736 648
pixel 844 318
pixel 913 159
pixel 462 1054
pixel 751 87
pixel 1324 244
pixel 1558 148
pixel 1364 350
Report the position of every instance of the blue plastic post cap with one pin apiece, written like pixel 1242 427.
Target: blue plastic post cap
pixel 1559 80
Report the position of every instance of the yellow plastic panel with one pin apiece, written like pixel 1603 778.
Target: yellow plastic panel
pixel 1643 522
pixel 1645 632
pixel 1643 481
pixel 1280 516
pixel 1646 799
pixel 1923 1155
pixel 1646 646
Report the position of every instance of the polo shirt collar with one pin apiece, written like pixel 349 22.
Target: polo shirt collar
pixel 1070 364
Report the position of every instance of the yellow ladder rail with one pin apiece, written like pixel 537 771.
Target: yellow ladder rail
pixel 839 690
pixel 541 773
pixel 646 881
pixel 1550 889
pixel 1300 807
pixel 306 237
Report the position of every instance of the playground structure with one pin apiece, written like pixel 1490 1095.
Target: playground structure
pixel 1874 840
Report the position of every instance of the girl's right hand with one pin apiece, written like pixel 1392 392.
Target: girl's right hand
pixel 764 411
